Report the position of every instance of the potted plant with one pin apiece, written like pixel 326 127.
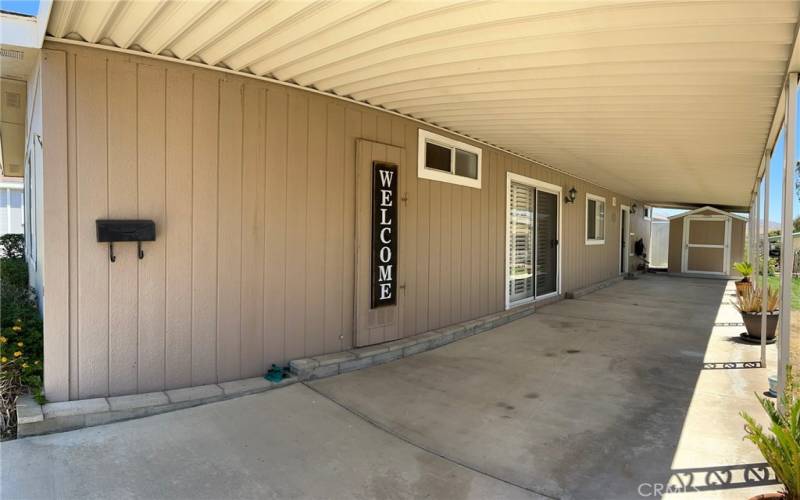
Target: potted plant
pixel 749 304
pixel 745 269
pixel 781 445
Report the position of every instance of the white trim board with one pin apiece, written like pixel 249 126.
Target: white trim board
pixel 625 230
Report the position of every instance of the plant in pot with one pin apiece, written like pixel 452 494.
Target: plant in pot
pixel 749 305
pixel 781 445
pixel 745 269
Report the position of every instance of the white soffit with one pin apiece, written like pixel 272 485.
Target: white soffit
pixel 667 101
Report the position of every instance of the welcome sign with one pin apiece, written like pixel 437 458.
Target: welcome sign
pixel 384 234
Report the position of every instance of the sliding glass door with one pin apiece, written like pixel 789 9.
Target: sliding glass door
pixel 532 233
pixel 546 243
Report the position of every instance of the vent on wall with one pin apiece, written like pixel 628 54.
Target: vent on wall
pixel 12 54
pixel 12 99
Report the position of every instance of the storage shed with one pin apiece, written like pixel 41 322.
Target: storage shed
pixel 706 240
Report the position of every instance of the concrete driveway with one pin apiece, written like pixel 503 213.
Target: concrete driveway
pixel 615 395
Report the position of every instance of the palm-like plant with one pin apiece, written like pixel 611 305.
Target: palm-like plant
pixel 781 449
pixel 750 300
pixel 745 269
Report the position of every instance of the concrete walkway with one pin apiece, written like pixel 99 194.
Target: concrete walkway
pixel 611 396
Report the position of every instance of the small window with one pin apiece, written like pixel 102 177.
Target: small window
pixel 648 212
pixel 446 160
pixel 595 220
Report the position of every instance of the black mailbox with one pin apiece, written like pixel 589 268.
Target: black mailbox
pixel 110 231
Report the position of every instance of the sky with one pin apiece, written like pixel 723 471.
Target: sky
pixel 27 7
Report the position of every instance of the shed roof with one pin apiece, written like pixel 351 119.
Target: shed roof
pixel 672 102
pixel 706 209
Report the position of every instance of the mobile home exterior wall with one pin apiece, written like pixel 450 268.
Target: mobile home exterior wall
pixel 251 185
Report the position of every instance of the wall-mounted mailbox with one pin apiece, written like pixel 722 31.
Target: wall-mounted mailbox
pixel 111 231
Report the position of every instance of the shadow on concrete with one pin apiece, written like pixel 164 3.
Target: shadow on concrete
pixel 721 478
pixel 732 365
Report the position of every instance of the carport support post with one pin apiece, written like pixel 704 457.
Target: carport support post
pixel 752 230
pixel 756 226
pixel 765 262
pixel 787 254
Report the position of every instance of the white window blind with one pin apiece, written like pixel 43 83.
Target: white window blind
pixel 521 229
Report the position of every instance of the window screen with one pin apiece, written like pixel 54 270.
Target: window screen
pixel 466 164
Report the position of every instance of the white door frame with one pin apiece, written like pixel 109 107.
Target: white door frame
pixel 726 246
pixel 625 230
pixel 548 188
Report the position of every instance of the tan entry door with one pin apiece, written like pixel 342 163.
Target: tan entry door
pixel 706 244
pixel 382 322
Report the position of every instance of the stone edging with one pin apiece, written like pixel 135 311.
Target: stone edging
pixel 576 294
pixel 34 419
pixel 356 359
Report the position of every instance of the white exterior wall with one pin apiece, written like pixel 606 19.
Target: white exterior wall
pixel 11 211
pixel 659 244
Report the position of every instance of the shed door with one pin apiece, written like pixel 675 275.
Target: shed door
pixel 706 244
pixel 378 320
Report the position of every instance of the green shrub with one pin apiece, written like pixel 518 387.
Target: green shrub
pixel 745 269
pixel 14 272
pixel 780 447
pixel 21 341
pixel 12 246
pixel 772 265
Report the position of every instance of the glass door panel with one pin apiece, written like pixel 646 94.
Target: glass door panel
pixel 546 243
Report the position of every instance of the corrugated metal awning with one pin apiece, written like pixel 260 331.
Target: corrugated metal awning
pixel 664 101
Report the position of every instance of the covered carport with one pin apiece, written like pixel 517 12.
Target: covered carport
pixel 632 391
pixel 678 104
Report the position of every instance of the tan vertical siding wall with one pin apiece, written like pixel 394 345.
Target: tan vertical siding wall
pixel 738 230
pixel 252 187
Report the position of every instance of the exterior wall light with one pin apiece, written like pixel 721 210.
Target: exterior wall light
pixel 571 196
pixel 633 209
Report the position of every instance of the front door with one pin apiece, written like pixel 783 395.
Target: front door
pixel 532 233
pixel 379 292
pixel 706 243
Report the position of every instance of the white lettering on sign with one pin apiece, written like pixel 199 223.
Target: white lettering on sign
pixel 384 234
pixel 384 273
pixel 384 238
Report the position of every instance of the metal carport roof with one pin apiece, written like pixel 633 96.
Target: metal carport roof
pixel 672 102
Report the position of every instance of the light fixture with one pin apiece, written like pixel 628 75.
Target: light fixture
pixel 571 196
pixel 633 209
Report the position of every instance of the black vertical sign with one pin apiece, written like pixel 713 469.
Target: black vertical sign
pixel 384 234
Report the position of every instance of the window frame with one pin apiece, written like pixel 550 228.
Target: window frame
pixel 451 177
pixel 647 212
pixel 596 199
pixel 29 208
